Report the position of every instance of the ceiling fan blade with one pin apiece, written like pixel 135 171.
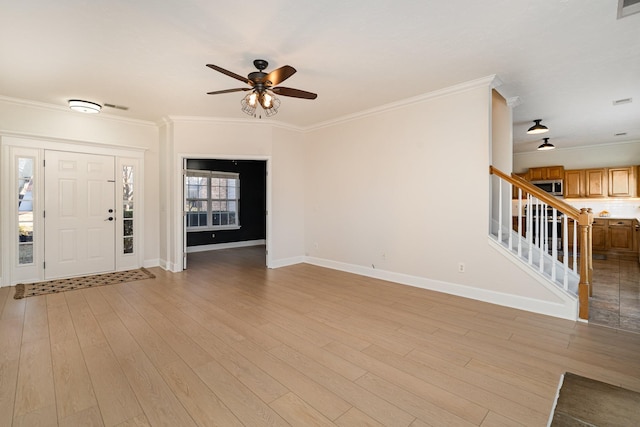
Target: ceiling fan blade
pixel 240 89
pixel 229 73
pixel 279 75
pixel 296 93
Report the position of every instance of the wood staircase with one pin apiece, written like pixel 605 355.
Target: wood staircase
pixel 544 249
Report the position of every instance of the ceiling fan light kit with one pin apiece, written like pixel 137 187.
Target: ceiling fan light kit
pixel 263 88
pixel 84 106
pixel 537 128
pixel 265 99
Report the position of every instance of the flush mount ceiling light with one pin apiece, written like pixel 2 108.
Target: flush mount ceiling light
pixel 546 145
pixel 537 128
pixel 84 106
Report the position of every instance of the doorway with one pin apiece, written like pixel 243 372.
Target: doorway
pixel 208 223
pixel 79 205
pixel 83 182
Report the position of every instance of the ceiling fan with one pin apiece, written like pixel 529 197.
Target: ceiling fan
pixel 263 87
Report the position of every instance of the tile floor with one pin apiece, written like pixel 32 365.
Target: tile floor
pixel 616 293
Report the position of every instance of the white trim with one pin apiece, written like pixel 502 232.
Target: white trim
pixel 71 145
pixel 532 272
pixel 230 245
pixel 287 262
pixel 177 206
pixel 11 143
pixel 580 147
pixel 66 109
pixel 564 311
pixel 491 81
pixel 252 122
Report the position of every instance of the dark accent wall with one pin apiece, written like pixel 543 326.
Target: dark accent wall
pixel 253 201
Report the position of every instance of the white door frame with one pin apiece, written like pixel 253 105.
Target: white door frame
pixel 10 142
pixel 178 222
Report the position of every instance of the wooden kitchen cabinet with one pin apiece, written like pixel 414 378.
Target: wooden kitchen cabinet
pixel 596 182
pixel 547 172
pixel 574 183
pixel 622 182
pixel 611 236
pixel 599 231
pixel 620 235
pixel 598 234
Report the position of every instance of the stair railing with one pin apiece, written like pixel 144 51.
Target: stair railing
pixel 537 233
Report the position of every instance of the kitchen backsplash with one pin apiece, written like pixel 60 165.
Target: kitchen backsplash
pixel 618 208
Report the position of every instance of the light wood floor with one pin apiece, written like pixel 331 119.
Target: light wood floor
pixel 229 342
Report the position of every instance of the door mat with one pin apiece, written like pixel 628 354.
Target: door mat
pixel 586 402
pixel 24 290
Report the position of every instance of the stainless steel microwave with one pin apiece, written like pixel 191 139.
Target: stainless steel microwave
pixel 551 186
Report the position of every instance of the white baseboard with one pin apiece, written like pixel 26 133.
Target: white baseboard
pixel 286 262
pixel 568 310
pixel 151 263
pixel 230 245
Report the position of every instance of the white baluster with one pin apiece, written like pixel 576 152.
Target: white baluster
pixel 500 211
pixel 520 222
pixel 554 243
pixel 575 246
pixel 565 250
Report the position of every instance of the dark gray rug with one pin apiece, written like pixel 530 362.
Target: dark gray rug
pixel 24 290
pixel 586 402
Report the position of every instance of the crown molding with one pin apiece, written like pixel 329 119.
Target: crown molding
pixel 579 147
pixel 491 81
pixel 59 108
pixel 223 120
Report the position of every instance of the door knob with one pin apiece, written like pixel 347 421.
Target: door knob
pixel 110 211
pixel 109 219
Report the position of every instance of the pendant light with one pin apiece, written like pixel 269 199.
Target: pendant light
pixel 537 128
pixel 546 145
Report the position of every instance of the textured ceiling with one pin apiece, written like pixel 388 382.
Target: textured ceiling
pixel 566 61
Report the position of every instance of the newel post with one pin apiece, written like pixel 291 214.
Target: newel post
pixel 586 266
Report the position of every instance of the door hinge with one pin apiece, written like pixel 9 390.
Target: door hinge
pixel 44 265
pixel 44 163
pixel 44 214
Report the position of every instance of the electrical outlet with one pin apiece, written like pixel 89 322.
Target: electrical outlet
pixel 461 267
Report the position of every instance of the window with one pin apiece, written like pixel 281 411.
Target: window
pixel 25 210
pixel 212 200
pixel 127 209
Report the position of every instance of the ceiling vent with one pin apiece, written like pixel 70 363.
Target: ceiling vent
pixel 628 7
pixel 122 107
pixel 617 101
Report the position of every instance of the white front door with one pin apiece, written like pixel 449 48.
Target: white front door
pixel 79 203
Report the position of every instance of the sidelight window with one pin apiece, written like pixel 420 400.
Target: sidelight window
pixel 212 200
pixel 25 210
pixel 127 208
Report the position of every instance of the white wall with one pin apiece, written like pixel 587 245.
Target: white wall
pixel 404 194
pixel 282 147
pixel 45 121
